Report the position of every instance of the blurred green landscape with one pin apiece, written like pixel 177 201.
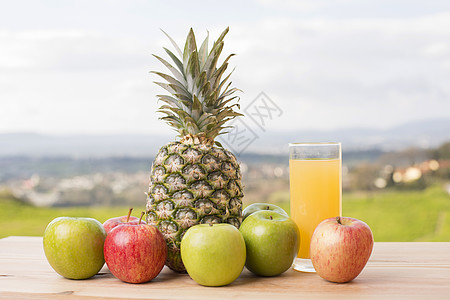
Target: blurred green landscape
pixel 399 216
pixel 19 218
pixel 402 195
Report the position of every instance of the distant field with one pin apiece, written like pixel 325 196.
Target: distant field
pixel 21 219
pixel 392 215
pixel 403 216
pixel 400 216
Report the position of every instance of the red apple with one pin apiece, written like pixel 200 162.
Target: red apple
pixel 113 222
pixel 135 253
pixel 340 248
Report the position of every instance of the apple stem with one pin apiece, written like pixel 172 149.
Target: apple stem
pixel 267 207
pixel 271 217
pixel 142 214
pixel 338 219
pixel 129 214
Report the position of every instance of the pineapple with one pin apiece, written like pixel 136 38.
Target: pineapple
pixel 194 180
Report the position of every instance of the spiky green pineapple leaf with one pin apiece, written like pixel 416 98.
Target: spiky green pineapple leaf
pixel 171 80
pixel 171 119
pixel 180 103
pixel 193 70
pixel 217 75
pixel 174 44
pixel 204 91
pixel 213 57
pixel 172 88
pixel 224 103
pixel 224 81
pixel 206 120
pixel 226 93
pixel 215 79
pixel 200 82
pixel 176 60
pixel 187 98
pixel 189 47
pixel 220 39
pixel 191 126
pixel 228 113
pixel 174 71
pixel 203 52
pixel 198 106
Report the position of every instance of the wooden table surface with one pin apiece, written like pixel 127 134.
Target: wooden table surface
pixel 394 271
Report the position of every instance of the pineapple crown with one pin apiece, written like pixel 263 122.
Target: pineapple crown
pixel 200 102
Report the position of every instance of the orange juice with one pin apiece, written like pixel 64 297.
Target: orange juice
pixel 315 186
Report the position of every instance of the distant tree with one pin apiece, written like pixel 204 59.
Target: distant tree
pixel 419 184
pixel 442 152
pixel 102 195
pixel 362 176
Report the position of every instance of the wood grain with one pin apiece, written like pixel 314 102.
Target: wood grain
pixel 395 271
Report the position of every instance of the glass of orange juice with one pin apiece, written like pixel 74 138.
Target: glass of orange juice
pixel 315 187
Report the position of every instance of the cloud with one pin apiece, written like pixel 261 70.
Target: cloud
pixel 324 71
pixel 351 72
pixel 62 81
pixel 69 50
pixel 297 5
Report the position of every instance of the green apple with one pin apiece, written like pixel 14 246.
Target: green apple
pixel 262 206
pixel 74 246
pixel 213 254
pixel 272 242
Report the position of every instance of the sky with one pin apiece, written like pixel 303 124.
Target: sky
pixel 82 67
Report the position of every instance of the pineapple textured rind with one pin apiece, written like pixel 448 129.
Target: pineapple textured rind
pixel 189 185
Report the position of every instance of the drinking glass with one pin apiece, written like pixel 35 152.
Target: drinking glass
pixel 316 189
